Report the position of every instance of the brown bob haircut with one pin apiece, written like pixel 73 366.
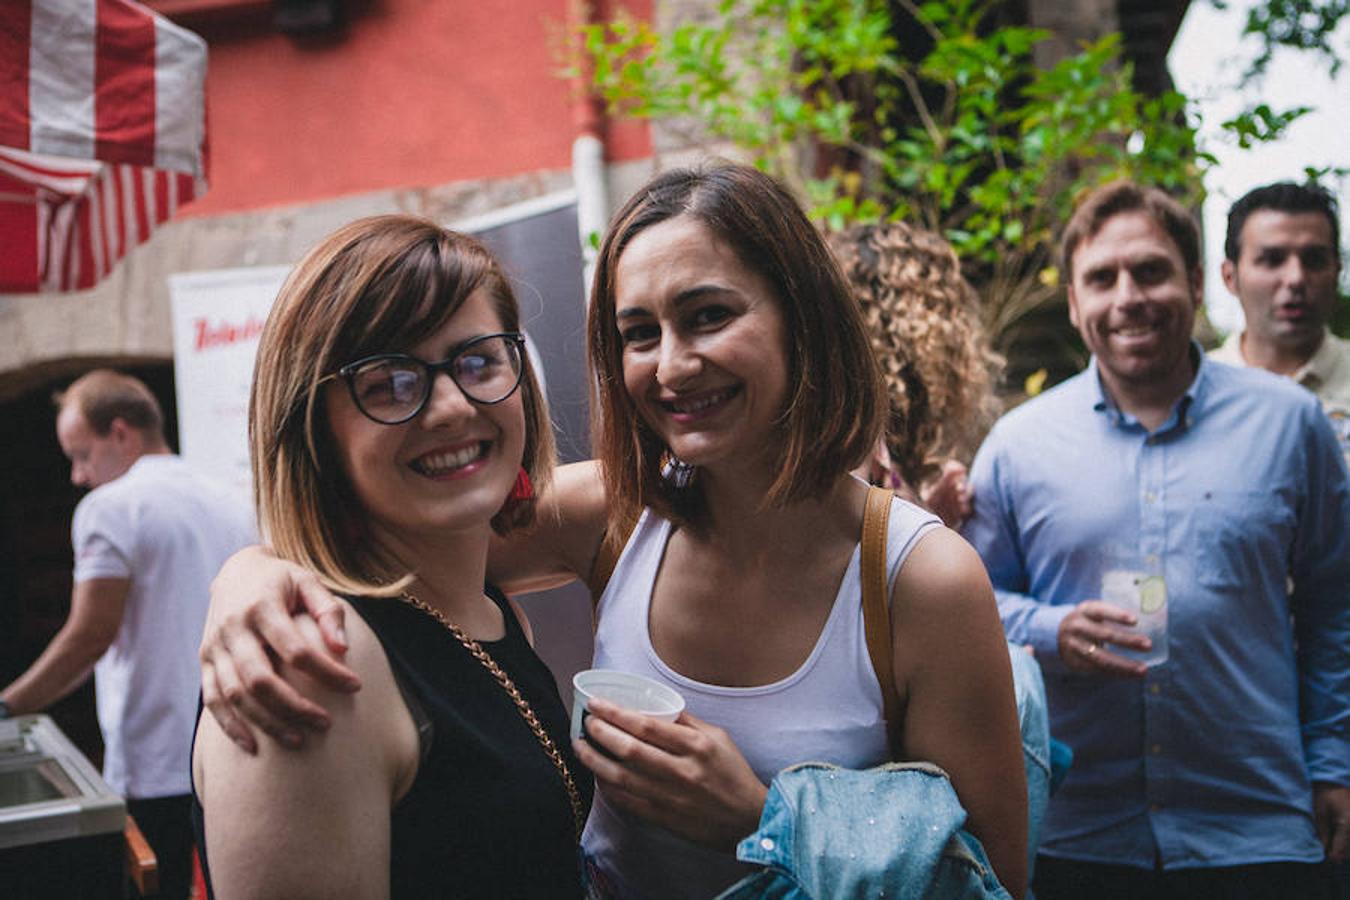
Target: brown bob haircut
pixel 836 405
pixel 377 285
pixel 103 396
pixel 1125 196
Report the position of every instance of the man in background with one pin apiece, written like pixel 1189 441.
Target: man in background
pixel 148 539
pixel 1212 760
pixel 1283 263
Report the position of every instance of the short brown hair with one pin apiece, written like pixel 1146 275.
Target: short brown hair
pixel 104 395
pixel 1124 196
pixel 924 321
pixel 836 403
pixel 1285 197
pixel 377 284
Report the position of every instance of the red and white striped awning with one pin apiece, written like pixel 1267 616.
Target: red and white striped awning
pixel 102 136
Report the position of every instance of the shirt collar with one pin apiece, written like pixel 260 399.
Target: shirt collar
pixel 1183 413
pixel 1312 374
pixel 1317 371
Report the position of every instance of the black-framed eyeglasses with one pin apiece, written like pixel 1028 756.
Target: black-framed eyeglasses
pixel 391 388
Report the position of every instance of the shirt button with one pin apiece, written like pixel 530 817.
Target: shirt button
pixel 1156 749
pixel 1151 559
pixel 1155 689
pixel 1149 497
pixel 1155 807
pixel 766 843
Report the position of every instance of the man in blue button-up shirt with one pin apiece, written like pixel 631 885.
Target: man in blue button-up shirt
pixel 1225 769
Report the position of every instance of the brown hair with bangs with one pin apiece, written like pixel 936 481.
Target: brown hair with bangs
pixel 836 403
pixel 1123 196
pixel 377 285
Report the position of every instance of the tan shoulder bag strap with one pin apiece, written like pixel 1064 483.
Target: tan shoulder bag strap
pixel 876 609
pixel 606 558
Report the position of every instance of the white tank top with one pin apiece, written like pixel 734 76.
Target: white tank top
pixel 829 710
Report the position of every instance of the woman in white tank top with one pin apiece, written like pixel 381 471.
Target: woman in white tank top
pixel 736 391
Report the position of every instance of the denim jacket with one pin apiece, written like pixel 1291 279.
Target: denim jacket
pixel 1037 753
pixel 893 831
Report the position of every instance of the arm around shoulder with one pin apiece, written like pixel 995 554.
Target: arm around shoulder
pixel 559 547
pixel 953 670
pixel 313 822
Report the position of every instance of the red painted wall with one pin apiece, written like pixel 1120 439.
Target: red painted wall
pixel 411 92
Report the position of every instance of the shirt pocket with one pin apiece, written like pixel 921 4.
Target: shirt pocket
pixel 1240 534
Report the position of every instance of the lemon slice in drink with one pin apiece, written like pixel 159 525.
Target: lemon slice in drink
pixel 1152 594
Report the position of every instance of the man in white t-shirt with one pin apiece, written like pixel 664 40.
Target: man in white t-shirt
pixel 148 539
pixel 1283 263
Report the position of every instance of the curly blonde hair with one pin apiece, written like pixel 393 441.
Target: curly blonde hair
pixel 924 324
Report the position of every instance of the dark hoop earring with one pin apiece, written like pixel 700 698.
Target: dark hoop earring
pixel 676 472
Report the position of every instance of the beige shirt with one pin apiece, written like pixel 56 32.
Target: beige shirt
pixel 1327 375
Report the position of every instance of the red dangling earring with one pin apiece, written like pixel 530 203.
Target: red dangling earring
pixel 522 490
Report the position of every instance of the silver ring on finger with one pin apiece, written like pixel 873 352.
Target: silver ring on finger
pixel 1092 648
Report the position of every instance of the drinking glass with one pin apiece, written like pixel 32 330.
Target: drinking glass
pixel 1136 584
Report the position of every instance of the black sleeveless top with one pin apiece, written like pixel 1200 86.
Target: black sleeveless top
pixel 487 814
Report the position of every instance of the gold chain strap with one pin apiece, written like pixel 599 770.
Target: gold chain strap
pixel 523 705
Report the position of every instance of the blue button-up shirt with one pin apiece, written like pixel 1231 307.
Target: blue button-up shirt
pixel 1207 760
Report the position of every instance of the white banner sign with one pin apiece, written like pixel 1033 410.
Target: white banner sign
pixel 217 320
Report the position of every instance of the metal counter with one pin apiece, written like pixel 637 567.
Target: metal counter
pixel 60 823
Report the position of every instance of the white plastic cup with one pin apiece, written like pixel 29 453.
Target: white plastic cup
pixel 1145 595
pixel 635 692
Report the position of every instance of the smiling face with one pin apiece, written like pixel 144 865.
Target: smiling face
pixel 449 467
pixel 703 345
pixel 1285 277
pixel 1134 303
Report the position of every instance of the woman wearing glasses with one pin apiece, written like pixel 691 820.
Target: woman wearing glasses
pixel 736 391
pixel 387 481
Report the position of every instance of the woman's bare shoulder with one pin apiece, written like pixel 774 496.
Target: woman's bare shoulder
pixel 941 563
pixel 941 589
pixel 273 819
pixel 369 728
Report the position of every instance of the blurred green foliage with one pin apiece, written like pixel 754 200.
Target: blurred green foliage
pixel 1308 25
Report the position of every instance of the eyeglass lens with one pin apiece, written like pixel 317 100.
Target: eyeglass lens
pixel 395 389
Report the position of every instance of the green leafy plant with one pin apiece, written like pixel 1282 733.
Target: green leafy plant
pixel 935 113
